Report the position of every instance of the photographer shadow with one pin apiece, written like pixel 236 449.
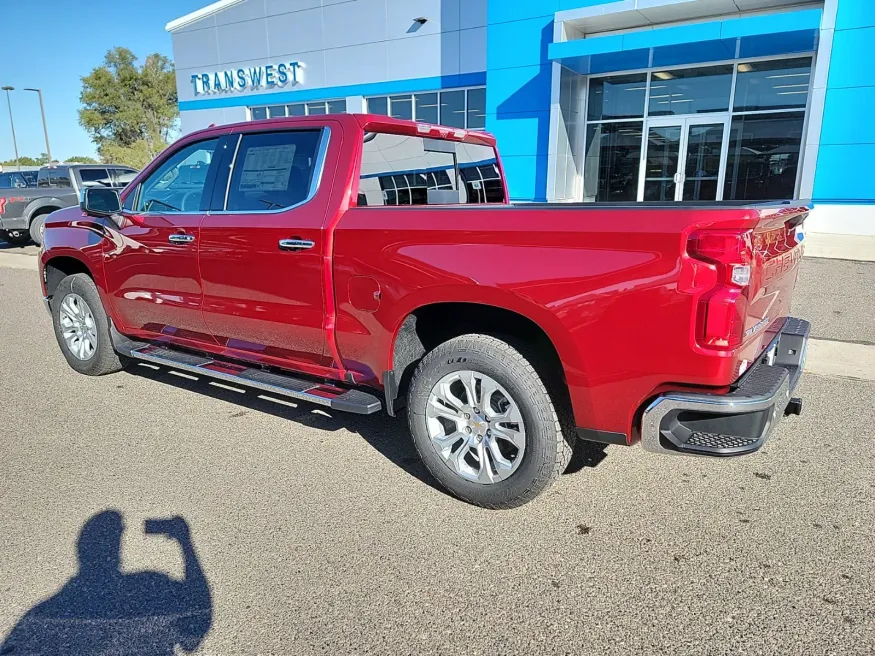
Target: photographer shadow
pixel 103 610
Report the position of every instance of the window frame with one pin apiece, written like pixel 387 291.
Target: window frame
pixel 305 104
pixel 228 171
pixel 412 97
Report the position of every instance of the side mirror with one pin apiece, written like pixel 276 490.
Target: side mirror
pixel 100 201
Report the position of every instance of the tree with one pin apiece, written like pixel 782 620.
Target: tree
pixel 24 161
pixel 129 111
pixel 81 159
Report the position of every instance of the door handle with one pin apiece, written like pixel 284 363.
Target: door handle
pixel 181 239
pixel 296 244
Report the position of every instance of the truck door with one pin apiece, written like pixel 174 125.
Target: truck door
pixel 262 248
pixel 152 266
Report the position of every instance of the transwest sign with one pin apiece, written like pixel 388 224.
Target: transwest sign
pixel 257 77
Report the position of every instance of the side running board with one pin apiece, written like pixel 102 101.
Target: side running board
pixel 336 398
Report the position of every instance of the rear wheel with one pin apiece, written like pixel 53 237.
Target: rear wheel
pixel 484 423
pixel 82 327
pixel 15 237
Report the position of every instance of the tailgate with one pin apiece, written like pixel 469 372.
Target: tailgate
pixel 777 251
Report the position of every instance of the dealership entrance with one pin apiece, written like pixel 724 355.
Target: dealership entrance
pixel 727 131
pixel 684 159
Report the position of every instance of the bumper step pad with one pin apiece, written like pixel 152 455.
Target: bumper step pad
pixel 324 394
pixel 736 423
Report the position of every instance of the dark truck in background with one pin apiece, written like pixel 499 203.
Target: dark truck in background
pixel 23 210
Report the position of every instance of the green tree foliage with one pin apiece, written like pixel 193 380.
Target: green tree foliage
pixel 130 111
pixel 24 161
pixel 43 159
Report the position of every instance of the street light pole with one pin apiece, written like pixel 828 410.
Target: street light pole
pixel 42 109
pixel 12 124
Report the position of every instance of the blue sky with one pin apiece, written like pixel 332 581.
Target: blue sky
pixel 51 44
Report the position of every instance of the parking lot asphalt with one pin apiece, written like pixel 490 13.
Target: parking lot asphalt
pixel 320 534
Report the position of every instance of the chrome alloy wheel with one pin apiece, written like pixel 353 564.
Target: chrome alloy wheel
pixel 476 427
pixel 78 327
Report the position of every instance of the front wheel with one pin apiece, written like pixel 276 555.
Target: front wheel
pixel 82 327
pixel 484 423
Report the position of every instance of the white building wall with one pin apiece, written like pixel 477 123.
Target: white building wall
pixel 341 43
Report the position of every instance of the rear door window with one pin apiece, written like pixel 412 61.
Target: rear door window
pixel 273 170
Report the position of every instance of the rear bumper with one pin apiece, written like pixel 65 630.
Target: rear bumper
pixel 736 423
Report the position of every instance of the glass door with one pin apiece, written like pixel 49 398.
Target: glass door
pixel 684 159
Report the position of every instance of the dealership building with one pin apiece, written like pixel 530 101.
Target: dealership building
pixel 614 101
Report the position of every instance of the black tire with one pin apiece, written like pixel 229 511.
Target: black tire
pixel 36 228
pixel 549 438
pixel 15 237
pixel 104 359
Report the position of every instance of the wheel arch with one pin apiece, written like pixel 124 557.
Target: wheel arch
pixel 430 324
pixel 57 268
pixel 42 206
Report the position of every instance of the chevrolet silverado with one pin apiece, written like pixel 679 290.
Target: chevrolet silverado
pixel 364 263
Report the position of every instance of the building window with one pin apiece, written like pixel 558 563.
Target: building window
pixel 763 156
pixel 661 135
pixel 299 109
pixel 690 90
pixel 456 108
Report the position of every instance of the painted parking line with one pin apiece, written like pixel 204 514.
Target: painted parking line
pixel 18 261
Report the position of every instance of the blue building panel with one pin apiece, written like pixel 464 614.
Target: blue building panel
pixel 504 11
pixel 845 173
pixel 519 134
pixel 854 14
pixel 518 43
pixel 852 62
pixel 526 176
pixel 855 106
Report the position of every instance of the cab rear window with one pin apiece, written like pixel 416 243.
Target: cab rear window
pixel 54 178
pixel 411 170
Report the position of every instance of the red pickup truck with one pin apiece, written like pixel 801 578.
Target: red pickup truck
pixel 365 264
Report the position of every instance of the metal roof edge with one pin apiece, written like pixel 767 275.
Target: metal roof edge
pixel 209 10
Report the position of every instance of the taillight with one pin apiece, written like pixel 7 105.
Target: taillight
pixel 721 313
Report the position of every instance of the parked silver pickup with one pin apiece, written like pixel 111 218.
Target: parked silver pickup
pixel 23 211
